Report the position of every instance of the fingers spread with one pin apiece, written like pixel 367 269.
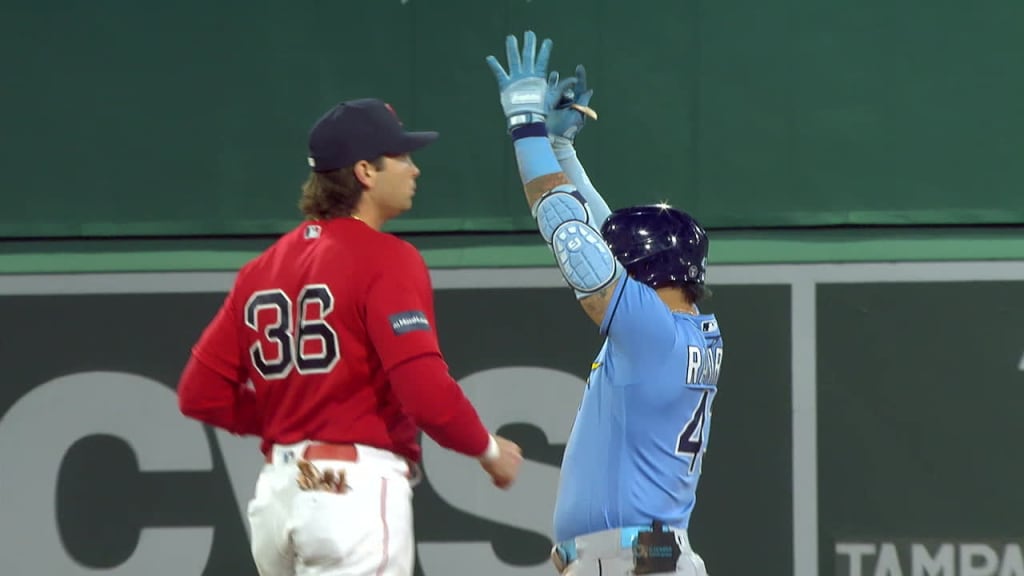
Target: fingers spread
pixel 544 56
pixel 512 53
pixel 529 51
pixel 496 68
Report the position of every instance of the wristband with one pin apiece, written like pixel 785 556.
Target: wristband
pixel 493 450
pixel 524 118
pixel 531 130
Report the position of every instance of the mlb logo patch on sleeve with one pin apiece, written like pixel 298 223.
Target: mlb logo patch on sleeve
pixel 408 321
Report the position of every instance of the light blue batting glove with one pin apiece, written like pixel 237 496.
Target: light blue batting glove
pixel 567 104
pixel 523 87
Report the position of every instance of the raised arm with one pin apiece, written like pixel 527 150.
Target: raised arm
pixel 567 219
pixel 568 107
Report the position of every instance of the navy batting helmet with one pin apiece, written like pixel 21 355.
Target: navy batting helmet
pixel 658 245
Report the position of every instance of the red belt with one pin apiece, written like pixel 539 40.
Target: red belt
pixel 343 452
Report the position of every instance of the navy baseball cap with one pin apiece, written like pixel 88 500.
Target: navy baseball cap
pixel 362 129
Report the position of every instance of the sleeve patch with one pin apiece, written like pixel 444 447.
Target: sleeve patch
pixel 408 321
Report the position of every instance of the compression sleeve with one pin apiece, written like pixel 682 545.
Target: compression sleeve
pixel 534 156
pixel 435 402
pixel 570 164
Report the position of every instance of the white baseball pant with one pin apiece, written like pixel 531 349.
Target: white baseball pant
pixel 603 554
pixel 366 531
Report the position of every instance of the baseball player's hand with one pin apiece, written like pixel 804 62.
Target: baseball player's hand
pixel 567 104
pixel 505 467
pixel 523 87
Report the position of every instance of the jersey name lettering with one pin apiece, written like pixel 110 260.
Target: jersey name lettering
pixel 703 365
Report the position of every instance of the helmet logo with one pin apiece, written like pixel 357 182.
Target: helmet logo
pixel 693 272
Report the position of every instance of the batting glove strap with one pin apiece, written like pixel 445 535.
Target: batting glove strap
pixel 524 119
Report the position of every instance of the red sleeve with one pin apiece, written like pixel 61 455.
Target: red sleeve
pixel 400 322
pixel 206 395
pixel 219 345
pixel 400 310
pixel 211 388
pixel 435 402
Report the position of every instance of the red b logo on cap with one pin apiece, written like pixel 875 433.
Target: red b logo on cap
pixel 392 110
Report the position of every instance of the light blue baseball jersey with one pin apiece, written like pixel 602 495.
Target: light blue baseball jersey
pixel 634 454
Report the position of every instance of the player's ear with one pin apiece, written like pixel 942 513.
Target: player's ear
pixel 364 172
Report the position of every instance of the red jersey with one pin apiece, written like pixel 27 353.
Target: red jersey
pixel 317 322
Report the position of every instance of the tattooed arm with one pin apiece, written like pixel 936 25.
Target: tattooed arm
pixel 594 303
pixel 569 219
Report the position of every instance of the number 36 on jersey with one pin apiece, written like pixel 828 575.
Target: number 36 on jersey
pixel 311 348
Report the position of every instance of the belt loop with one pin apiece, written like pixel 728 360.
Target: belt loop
pixel 415 473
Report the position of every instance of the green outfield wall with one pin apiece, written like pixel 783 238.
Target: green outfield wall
pixel 190 118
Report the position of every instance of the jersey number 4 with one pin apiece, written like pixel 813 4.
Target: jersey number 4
pixel 691 439
pixel 311 348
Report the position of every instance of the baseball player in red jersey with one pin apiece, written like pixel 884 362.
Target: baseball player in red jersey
pixel 326 348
